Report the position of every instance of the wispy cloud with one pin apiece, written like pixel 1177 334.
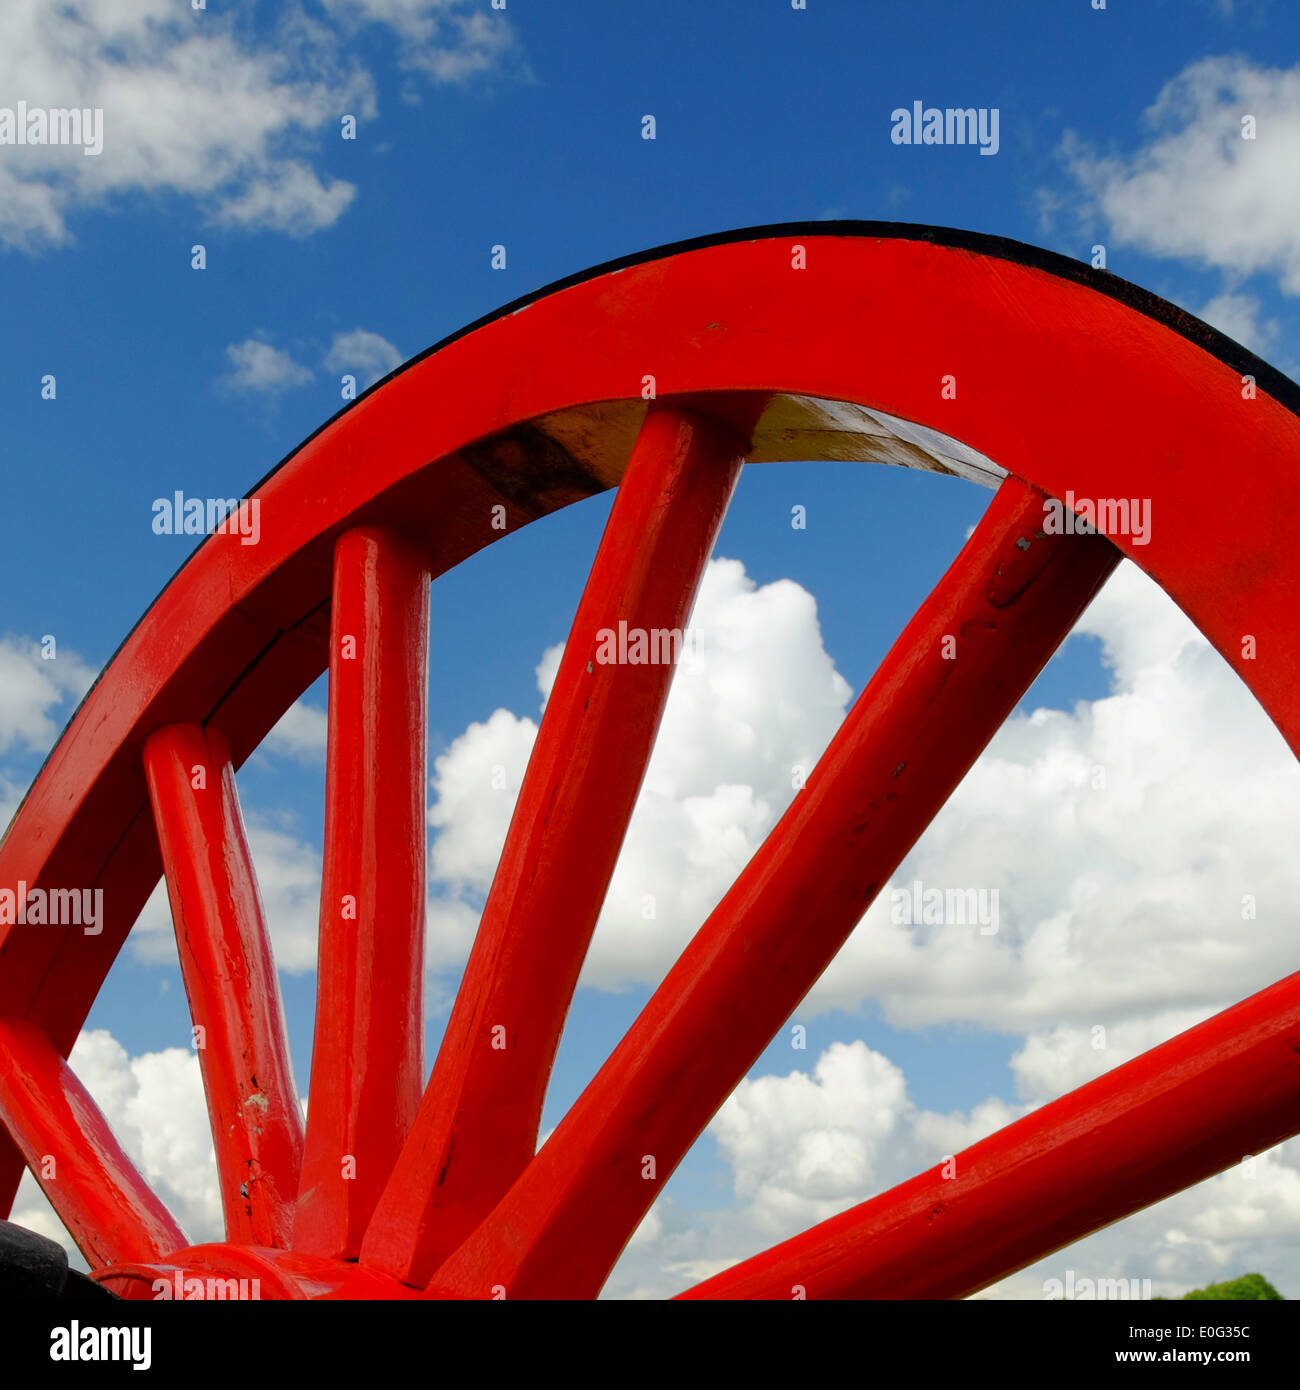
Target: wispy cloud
pixel 449 40
pixel 260 369
pixel 363 353
pixel 1237 315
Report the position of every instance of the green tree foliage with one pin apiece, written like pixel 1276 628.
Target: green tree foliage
pixel 1250 1287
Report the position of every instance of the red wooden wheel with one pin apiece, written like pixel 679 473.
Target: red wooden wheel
pixel 1058 379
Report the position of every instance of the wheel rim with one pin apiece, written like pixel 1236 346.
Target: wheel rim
pixel 750 358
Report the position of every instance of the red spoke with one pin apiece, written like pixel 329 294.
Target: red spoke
pixel 498 425
pixel 1140 1133
pixel 230 981
pixel 1008 600
pixel 367 1059
pixel 98 1192
pixel 477 1127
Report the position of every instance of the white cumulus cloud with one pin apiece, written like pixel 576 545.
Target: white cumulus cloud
pixel 1140 846
pixel 288 875
pixel 759 698
pixel 155 1106
pixel 807 1145
pixel 198 104
pixel 1196 188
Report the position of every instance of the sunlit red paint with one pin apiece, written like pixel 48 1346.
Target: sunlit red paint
pixel 1068 381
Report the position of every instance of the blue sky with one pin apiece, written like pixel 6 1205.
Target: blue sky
pixel 523 129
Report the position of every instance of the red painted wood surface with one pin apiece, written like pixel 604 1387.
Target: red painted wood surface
pixel 1129 1138
pixel 1067 382
pixel 367 1065
pixel 65 1140
pixel 1006 603
pixel 230 981
pixel 279 1274
pixel 478 1123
